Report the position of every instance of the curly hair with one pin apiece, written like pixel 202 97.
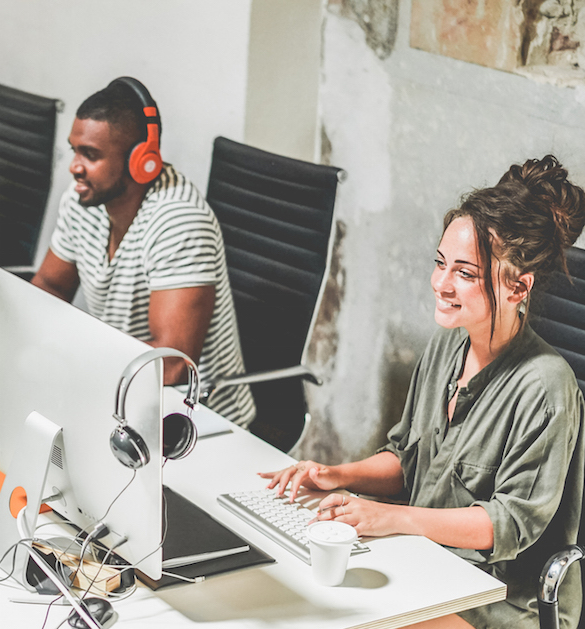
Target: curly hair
pixel 525 222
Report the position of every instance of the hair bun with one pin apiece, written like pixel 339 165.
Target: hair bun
pixel 546 179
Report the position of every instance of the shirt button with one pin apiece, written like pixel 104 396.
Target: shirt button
pixel 437 431
pixel 450 387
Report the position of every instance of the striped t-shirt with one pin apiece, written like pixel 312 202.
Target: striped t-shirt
pixel 173 242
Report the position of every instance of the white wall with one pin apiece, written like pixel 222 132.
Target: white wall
pixel 283 77
pixel 191 54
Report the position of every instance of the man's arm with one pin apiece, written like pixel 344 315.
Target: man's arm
pixel 179 318
pixel 57 277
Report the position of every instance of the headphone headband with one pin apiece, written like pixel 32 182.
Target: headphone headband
pixel 138 88
pixel 145 161
pixel 139 362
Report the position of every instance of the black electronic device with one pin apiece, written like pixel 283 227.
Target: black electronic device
pixel 99 609
pixel 179 431
pixel 144 160
pixel 211 547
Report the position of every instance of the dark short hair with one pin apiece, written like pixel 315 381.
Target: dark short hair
pixel 119 105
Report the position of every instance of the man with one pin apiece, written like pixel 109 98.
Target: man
pixel 143 244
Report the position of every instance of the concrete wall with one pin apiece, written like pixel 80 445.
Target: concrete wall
pixel 414 130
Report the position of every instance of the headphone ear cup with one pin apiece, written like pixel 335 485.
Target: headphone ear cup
pixel 144 164
pixel 129 447
pixel 179 436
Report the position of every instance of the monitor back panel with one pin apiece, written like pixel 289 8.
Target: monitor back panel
pixel 65 364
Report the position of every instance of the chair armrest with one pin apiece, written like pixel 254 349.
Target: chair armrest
pixel 298 371
pixel 548 584
pixel 25 272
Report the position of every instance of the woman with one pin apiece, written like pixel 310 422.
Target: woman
pixel 489 450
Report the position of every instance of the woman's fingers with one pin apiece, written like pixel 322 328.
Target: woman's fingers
pixel 274 477
pixel 368 517
pixel 304 473
pixel 290 474
pixel 332 500
pixel 341 508
pixel 333 507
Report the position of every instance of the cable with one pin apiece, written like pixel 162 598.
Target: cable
pixel 49 610
pixel 9 574
pixel 106 556
pixel 15 548
pixel 27 540
pixel 64 589
pixel 135 564
pixel 109 551
pixel 118 496
pixel 52 575
pixel 99 531
pixel 182 578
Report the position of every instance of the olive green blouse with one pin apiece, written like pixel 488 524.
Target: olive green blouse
pixel 514 447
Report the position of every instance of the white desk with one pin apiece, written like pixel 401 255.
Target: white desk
pixel 404 579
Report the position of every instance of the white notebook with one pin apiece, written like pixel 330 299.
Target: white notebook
pixel 208 422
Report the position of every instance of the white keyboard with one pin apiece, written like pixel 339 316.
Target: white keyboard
pixel 283 522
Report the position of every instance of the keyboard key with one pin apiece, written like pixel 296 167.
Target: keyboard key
pixel 283 522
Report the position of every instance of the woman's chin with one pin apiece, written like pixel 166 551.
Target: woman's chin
pixel 446 320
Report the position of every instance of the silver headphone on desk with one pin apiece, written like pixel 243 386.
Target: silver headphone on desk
pixel 179 431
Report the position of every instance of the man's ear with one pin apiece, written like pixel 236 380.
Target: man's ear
pixel 522 286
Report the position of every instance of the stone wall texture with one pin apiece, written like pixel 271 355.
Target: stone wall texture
pixel 486 32
pixel 542 39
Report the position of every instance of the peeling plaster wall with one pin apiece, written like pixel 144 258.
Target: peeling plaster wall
pixel 555 41
pixel 414 131
pixel 486 32
pixel 558 29
pixel 543 39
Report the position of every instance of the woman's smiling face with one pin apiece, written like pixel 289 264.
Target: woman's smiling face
pixel 457 281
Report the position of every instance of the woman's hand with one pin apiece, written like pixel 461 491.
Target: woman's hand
pixel 463 527
pixel 369 518
pixel 306 473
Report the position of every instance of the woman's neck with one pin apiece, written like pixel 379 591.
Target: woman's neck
pixel 484 347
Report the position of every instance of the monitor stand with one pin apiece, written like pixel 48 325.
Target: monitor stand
pixel 23 486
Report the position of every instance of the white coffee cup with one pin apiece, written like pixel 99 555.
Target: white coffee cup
pixel 330 544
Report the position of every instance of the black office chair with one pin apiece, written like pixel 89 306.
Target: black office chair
pixel 276 215
pixel 27 137
pixel 560 319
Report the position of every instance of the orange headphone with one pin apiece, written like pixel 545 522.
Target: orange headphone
pixel 145 161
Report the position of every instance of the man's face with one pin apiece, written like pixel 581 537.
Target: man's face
pixel 99 161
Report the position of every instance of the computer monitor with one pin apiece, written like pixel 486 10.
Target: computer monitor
pixel 65 364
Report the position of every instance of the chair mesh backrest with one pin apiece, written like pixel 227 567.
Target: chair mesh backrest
pixel 559 314
pixel 276 215
pixel 559 318
pixel 27 136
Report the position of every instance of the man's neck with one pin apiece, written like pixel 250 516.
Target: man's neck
pixel 122 210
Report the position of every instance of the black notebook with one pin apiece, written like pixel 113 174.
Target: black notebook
pixel 193 532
